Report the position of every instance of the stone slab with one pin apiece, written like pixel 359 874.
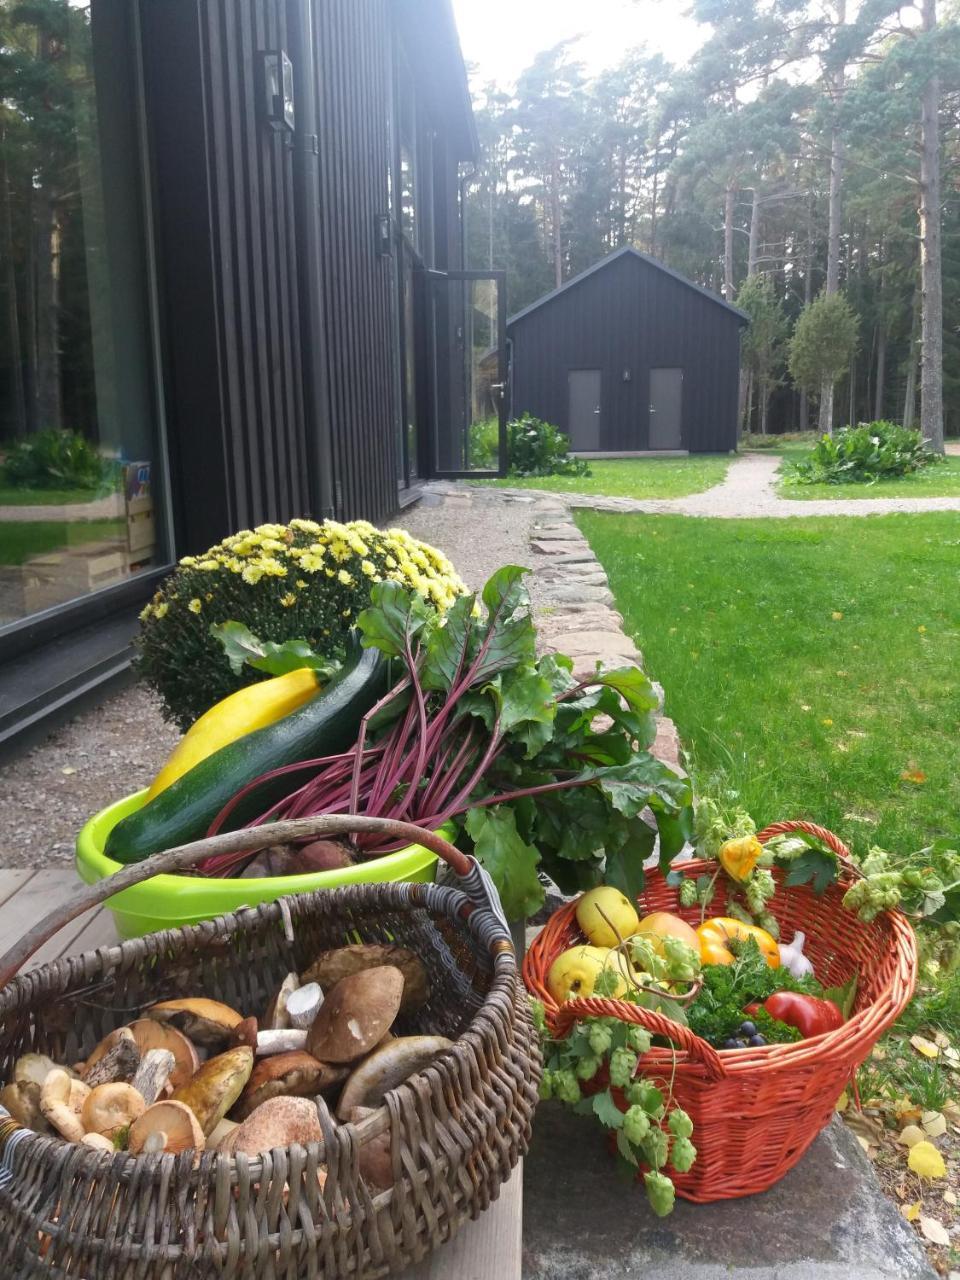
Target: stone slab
pixel 604 645
pixel 666 745
pixel 566 532
pixel 598 618
pixel 573 597
pixel 826 1220
pixel 571 552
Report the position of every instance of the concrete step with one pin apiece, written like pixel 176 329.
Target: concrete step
pixel 826 1220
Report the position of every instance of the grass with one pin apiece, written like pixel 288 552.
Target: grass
pixel 11 497
pixel 939 481
pixel 809 664
pixel 20 539
pixel 633 477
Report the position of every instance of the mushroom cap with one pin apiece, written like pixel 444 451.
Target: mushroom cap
pixel 387 1067
pixel 98 1142
pixel 33 1068
pixel 206 1022
pixel 151 1034
pixel 280 1122
pixel 330 967
pixel 296 1074
pixel 215 1087
pixel 174 1122
pixel 357 1013
pixel 109 1108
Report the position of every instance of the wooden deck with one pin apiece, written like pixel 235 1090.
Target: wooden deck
pixel 488 1249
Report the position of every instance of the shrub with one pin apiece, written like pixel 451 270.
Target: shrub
pixel 485 444
pixel 538 449
pixel 864 454
pixel 285 582
pixel 57 460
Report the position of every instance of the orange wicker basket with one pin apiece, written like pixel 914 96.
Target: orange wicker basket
pixel 757 1110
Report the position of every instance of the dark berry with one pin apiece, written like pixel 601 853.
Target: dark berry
pixel 748 1028
pixel 733 1044
pixel 757 1040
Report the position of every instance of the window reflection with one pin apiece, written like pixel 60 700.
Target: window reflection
pixel 77 465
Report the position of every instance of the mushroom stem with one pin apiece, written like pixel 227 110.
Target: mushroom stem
pixel 156 1067
pixel 280 1041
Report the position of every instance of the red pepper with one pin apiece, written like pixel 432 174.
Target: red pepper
pixel 810 1016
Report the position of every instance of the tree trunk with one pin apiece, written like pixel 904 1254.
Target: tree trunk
pixel 729 206
pixel 910 390
pixel 555 212
pixel 653 202
pixel 754 243
pixel 832 284
pixel 18 397
pixel 852 398
pixel 807 299
pixel 48 312
pixel 764 406
pixel 881 368
pixel 931 279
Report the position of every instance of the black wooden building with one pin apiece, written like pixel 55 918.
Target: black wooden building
pixel 268 315
pixel 630 357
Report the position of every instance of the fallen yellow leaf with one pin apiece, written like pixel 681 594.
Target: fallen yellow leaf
pixel 925 1160
pixel 910 1136
pixel 913 775
pixel 934 1123
pixel 949 1197
pixel 924 1046
pixel 911 1211
pixel 934 1230
pixel 836 615
pixel 843 1102
pixel 942 1039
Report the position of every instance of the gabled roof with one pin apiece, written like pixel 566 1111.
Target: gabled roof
pixel 626 251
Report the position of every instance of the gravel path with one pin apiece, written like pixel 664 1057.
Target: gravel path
pixel 749 491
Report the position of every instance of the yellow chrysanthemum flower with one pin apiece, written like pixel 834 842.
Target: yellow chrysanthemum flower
pixel 288 600
pixel 194 606
pixel 345 578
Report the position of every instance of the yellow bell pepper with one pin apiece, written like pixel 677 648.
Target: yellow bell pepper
pixel 234 716
pixel 716 935
pixel 739 857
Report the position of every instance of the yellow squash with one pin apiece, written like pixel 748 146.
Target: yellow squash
pixel 717 934
pixel 241 713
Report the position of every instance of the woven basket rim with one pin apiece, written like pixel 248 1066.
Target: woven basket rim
pixel 862 1027
pixel 399 895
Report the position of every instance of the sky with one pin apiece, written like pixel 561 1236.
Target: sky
pixel 502 36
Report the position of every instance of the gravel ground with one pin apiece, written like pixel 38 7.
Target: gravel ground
pixel 49 792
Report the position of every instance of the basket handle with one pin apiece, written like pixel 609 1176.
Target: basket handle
pixel 658 1024
pixel 834 843
pixel 475 882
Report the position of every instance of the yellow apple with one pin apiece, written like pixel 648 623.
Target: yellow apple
pixel 575 971
pixel 602 908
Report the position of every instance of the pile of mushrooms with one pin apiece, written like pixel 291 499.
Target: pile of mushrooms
pixel 194 1074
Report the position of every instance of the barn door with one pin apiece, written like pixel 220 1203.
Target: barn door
pixel 468 318
pixel 583 421
pixel 666 402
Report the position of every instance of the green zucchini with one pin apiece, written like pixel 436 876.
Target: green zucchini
pixel 328 723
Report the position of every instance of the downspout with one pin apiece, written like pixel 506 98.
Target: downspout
pixel 306 197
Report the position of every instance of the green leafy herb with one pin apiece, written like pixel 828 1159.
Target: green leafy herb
pixel 718 1010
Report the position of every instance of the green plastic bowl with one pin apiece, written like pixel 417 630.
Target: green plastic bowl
pixel 167 902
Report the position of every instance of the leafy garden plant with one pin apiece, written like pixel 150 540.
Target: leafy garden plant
pixel 534 448
pixel 864 454
pixel 302 582
pixel 58 460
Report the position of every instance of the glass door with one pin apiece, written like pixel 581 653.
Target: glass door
pixel 468 318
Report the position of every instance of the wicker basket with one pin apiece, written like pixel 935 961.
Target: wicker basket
pixel 757 1110
pixel 456 1130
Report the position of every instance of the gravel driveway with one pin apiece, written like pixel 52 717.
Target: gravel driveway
pixel 49 792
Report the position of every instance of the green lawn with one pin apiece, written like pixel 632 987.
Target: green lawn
pixel 21 539
pixel 939 481
pixel 809 664
pixel 633 477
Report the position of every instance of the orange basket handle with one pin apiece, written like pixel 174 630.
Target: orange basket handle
pixel 656 1023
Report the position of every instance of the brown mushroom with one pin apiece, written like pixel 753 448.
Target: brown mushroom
pixel 111 1108
pixel 374 1158
pixel 217 1085
pixel 245 1032
pixel 150 1034
pixel 386 1068
pixel 221 1133
pixel 298 1075
pixel 280 1122
pixel 356 1014
pixel 62 1100
pixel 98 1142
pixel 166 1126
pixel 22 1100
pixel 33 1068
pixel 330 967
pixel 205 1022
pixel 275 1018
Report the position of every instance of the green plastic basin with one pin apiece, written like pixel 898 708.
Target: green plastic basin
pixel 167 902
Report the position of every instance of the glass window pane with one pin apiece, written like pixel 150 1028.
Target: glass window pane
pixel 78 464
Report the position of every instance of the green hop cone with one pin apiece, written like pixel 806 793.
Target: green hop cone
pixel 679 1123
pixel 682 1154
pixel 771 924
pixel 623 1064
pixel 636 1125
pixel 588 1066
pixel 688 893
pixel 683 963
pixel 600 1038
pixel 644 1094
pixel 567 1087
pixel 660 1193
pixel 546 1085
pixel 655 1147
pixel 638 1039
pixel 759 889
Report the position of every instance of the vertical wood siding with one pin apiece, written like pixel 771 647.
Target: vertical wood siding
pixel 631 315
pixel 353 59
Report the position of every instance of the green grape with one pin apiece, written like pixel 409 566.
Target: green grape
pixel 688 893
pixel 636 1125
pixel 682 1154
pixel 588 1066
pixel 623 1064
pixel 567 1087
pixel 638 1039
pixel 600 1037
pixel 660 1193
pixel 655 1147
pixel 679 1123
pixel 546 1085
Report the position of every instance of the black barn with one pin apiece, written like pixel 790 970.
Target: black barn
pixel 629 357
